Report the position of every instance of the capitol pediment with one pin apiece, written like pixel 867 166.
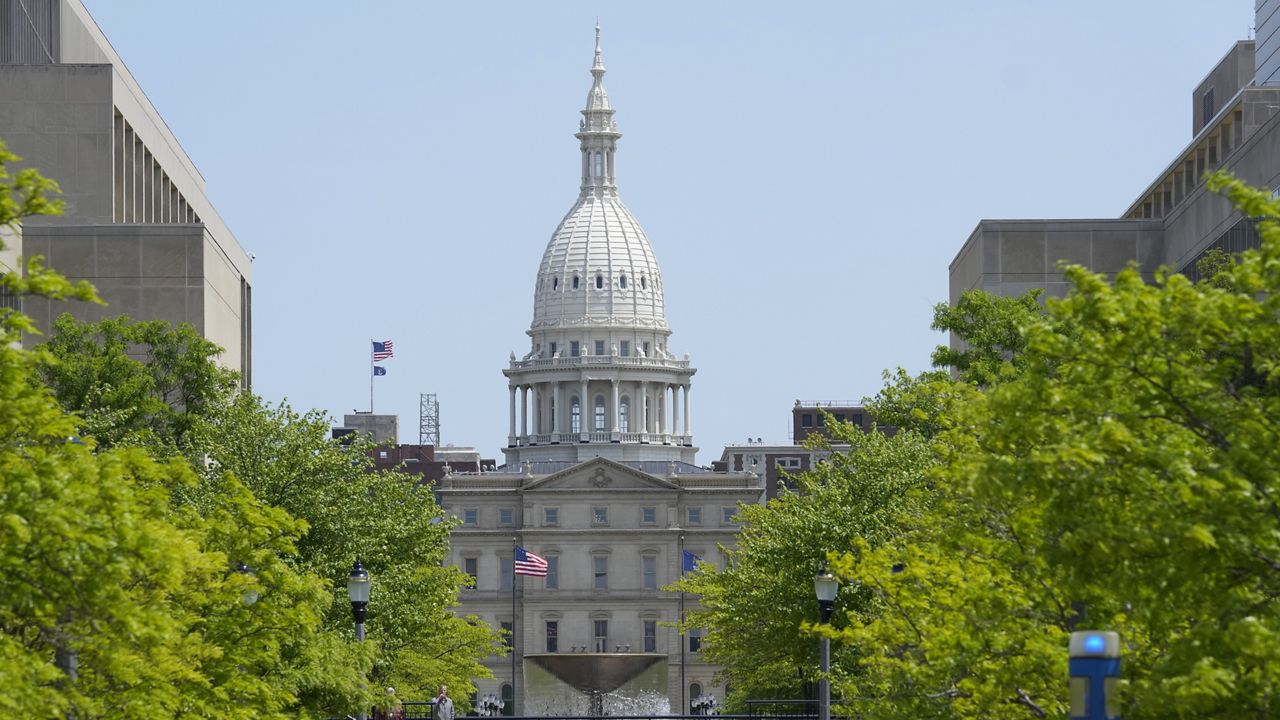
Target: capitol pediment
pixel 601 474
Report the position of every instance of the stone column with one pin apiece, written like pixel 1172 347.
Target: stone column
pixel 661 389
pixel 688 419
pixel 675 410
pixel 511 433
pixel 524 411
pixel 557 409
pixel 582 411
pixel 613 426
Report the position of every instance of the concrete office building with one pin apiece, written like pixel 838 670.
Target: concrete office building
pixel 137 223
pixel 599 476
pixel 1174 220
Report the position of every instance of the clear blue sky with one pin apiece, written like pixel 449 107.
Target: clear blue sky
pixel 804 171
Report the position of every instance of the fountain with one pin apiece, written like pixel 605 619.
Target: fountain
pixel 596 684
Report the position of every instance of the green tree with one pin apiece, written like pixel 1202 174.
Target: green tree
pixel 1124 478
pixel 754 609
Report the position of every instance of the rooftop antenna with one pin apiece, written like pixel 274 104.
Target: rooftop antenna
pixel 428 420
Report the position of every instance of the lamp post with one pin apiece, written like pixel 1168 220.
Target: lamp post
pixel 825 586
pixel 358 592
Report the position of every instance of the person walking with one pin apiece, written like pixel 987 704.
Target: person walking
pixel 442 706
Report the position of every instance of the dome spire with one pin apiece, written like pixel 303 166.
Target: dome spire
pixel 598 132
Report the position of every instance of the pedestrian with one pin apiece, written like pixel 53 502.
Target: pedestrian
pixel 442 706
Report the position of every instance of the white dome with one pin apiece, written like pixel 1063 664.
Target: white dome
pixel 599 270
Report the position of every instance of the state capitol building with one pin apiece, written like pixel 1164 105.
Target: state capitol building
pixel 599 477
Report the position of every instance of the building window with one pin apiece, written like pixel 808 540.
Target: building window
pixel 643 283
pixel 622 281
pixel 626 348
pixel 508 694
pixel 857 420
pixel 551 516
pixel 695 639
pixel 728 515
pixel 553 636
pixel 600 572
pixel 600 515
pixel 555 283
pixel 822 420
pixel 599 347
pixel 470 566
pixel 839 417
pixel 508 633
pixel 651 636
pixel 505 571
pixel 575 348
pixel 1209 109
pixel 599 281
pixel 806 420
pixel 553 349
pixel 601 635
pixel 695 692
pixel 648 516
pixel 647 351
pixel 599 164
pixel 649 565
pixel 553 572
pixel 694 514
pixel 575 416
pixel 575 282
pixel 506 517
pixel 599 413
pixel 624 414
pixel 470 516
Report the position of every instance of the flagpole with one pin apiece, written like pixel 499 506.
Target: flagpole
pixel 513 545
pixel 371 376
pixel 683 705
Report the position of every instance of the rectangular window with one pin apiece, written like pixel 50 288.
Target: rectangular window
pixel 506 517
pixel 553 349
pixel 505 573
pixel 651 636
pixel 695 515
pixel 695 640
pixel 553 572
pixel 470 516
pixel 648 516
pixel 599 515
pixel 625 348
pixel 728 515
pixel 839 417
pixel 806 420
pixel 575 349
pixel 508 633
pixel 1209 109
pixel 600 572
pixel 553 636
pixel 599 347
pixel 646 350
pixel 650 568
pixel 822 421
pixel 551 516
pixel 857 420
pixel 602 635
pixel 470 567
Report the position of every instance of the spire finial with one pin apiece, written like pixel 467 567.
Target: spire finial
pixel 598 65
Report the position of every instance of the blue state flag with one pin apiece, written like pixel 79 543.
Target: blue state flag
pixel 377 370
pixel 690 561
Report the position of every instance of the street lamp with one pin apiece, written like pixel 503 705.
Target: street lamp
pixel 358 592
pixel 825 586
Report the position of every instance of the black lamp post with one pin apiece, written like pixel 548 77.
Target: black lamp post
pixel 825 586
pixel 358 592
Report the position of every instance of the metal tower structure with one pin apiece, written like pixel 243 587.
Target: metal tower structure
pixel 428 420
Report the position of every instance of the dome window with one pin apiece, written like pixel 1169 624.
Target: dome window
pixel 622 281
pixel 575 282
pixel 555 283
pixel 643 285
pixel 599 281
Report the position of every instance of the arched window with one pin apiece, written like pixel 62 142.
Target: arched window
pixel 599 281
pixel 575 416
pixel 507 693
pixel 624 414
pixel 599 413
pixel 622 281
pixel 644 285
pixel 599 164
pixel 695 692
pixel 575 282
pixel 555 283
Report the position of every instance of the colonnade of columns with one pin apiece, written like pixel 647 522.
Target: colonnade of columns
pixel 543 409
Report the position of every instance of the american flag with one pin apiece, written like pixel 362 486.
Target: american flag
pixel 381 350
pixel 529 564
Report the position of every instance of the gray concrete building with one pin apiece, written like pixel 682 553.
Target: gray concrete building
pixel 599 476
pixel 137 222
pixel 1235 123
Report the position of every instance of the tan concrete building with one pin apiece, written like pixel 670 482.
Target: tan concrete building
pixel 1235 124
pixel 137 223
